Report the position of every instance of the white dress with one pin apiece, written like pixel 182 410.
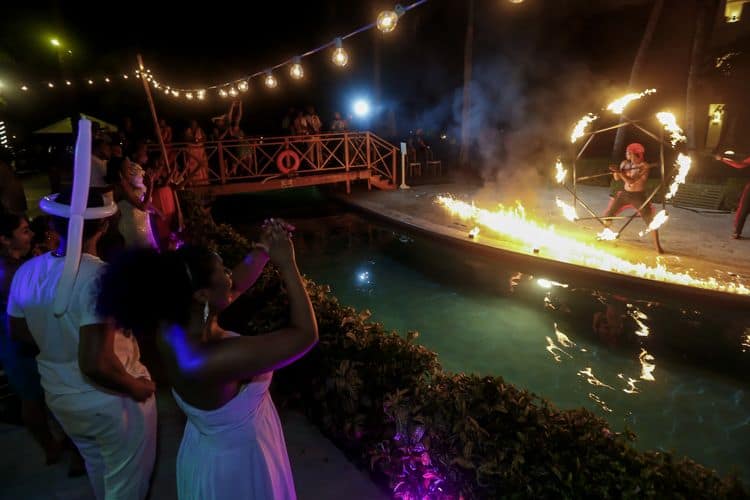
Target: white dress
pixel 236 451
pixel 135 224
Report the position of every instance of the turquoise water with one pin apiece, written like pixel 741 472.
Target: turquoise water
pixel 685 408
pixel 675 375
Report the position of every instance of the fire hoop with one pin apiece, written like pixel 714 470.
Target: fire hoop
pixel 682 164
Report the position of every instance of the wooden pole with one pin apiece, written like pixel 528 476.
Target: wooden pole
pixel 150 98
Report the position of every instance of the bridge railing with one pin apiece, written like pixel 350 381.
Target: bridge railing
pixel 256 159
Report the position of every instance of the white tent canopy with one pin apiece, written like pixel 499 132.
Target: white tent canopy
pixel 65 126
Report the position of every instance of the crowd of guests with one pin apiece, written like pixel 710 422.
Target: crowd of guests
pixel 83 367
pixel 307 122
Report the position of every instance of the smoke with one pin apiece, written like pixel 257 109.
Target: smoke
pixel 520 117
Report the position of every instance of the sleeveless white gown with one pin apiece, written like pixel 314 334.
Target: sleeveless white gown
pixel 135 224
pixel 236 451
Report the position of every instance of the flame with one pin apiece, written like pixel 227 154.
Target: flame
pixel 513 224
pixel 659 219
pixel 580 128
pixel 569 211
pixel 619 105
pixel 647 365
pixel 560 172
pixel 607 235
pixel 669 122
pixel 683 164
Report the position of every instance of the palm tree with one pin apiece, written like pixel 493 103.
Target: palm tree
pixel 635 71
pixel 465 133
pixel 703 21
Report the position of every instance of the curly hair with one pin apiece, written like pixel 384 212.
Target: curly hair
pixel 142 288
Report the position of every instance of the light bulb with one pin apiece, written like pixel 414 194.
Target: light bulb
pixel 233 92
pixel 295 70
pixel 125 76
pixel 223 93
pixel 340 57
pixel 67 82
pixel 176 93
pixel 201 94
pixel 271 81
pixel 50 85
pixel 189 96
pixel 387 21
pixel 24 88
pixel 166 90
pixel 91 82
pixel 243 86
pixel 106 79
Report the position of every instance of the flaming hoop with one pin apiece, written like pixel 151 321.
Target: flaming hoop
pixel 668 123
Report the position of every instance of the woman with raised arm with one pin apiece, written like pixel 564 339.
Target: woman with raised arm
pixel 233 445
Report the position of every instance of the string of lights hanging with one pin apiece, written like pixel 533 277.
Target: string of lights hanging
pixel 386 22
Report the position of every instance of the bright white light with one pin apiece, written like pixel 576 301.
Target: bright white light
pixel 361 107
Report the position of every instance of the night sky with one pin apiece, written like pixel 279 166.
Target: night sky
pixel 540 46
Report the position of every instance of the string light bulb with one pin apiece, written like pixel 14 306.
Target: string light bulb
pixel 223 93
pixel 176 93
pixel 243 86
pixel 68 83
pixel 388 19
pixel 91 82
pixel 106 79
pixel 233 91
pixel 201 95
pixel 50 85
pixel 295 70
pixel 189 96
pixel 24 88
pixel 125 76
pixel 270 80
pixel 340 57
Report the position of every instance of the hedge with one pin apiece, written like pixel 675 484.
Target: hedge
pixel 425 433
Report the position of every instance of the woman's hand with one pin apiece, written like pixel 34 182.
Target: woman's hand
pixel 277 237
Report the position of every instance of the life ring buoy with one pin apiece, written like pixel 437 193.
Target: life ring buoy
pixel 288 161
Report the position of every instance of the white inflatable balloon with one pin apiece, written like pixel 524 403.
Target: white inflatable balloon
pixel 77 213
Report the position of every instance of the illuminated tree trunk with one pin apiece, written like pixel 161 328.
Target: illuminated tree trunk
pixel 703 20
pixel 635 71
pixel 463 156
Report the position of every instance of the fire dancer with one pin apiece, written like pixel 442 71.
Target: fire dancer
pixel 633 171
pixel 744 207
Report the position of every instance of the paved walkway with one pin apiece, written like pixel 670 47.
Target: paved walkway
pixel 320 470
pixel 697 243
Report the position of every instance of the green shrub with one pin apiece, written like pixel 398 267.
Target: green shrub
pixel 427 433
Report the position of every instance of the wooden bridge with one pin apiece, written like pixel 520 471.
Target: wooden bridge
pixel 269 163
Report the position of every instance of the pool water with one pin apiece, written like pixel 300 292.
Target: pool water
pixel 675 375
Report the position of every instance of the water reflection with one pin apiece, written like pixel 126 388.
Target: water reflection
pixel 572 344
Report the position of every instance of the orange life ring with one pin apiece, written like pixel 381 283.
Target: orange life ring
pixel 281 161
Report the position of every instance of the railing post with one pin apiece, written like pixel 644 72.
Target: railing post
pixel 369 163
pixel 346 163
pixel 222 164
pixel 394 151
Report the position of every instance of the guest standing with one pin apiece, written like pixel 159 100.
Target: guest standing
pixel 233 445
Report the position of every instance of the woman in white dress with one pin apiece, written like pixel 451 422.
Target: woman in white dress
pixel 233 445
pixel 133 191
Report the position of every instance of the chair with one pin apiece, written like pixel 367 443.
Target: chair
pixel 432 164
pixel 414 165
